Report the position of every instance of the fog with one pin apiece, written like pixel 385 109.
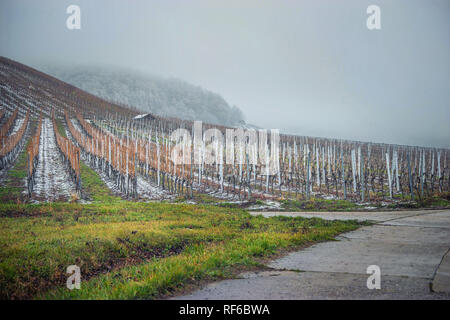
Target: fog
pixel 308 67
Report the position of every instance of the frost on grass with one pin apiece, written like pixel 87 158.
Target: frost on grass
pixel 52 179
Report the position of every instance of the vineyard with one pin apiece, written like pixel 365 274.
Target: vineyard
pixel 303 167
pixel 226 159
pixel 135 157
pixel 144 204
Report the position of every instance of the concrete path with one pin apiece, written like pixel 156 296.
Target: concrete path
pixel 411 249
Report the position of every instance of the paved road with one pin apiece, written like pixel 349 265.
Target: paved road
pixel 410 247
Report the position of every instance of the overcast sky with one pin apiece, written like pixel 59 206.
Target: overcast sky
pixel 308 66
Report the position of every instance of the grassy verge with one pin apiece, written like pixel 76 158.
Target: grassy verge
pixel 14 183
pixel 200 198
pixel 93 186
pixel 129 250
pixel 60 127
pixel 318 205
pixel 438 200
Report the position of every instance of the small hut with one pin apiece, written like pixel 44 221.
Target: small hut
pixel 144 116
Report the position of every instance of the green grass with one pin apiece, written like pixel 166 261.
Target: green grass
pixel 130 250
pixel 200 198
pixel 60 127
pixel 14 184
pixel 11 190
pixel 438 200
pixel 93 186
pixel 318 205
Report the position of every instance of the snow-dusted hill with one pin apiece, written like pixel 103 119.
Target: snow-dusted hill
pixel 162 96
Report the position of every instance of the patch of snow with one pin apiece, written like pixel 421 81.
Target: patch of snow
pixel 17 126
pixel 53 182
pixel 76 125
pixel 149 191
pixel 329 197
pixel 268 204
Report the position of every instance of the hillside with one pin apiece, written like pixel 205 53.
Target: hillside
pixel 168 97
pixel 83 184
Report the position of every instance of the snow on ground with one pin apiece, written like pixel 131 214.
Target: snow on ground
pixel 76 125
pixel 146 189
pixel 266 205
pixel 107 180
pixel 17 125
pixel 52 179
pixel 214 189
pixel 149 191
pixel 329 197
